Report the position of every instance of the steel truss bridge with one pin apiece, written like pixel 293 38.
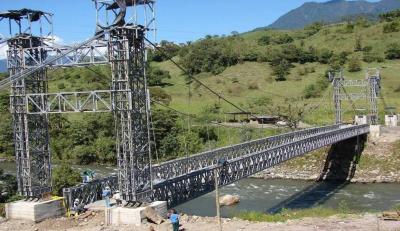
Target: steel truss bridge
pixel 181 180
pixel 122 45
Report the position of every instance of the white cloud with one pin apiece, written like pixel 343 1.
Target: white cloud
pixel 57 40
pixel 3 51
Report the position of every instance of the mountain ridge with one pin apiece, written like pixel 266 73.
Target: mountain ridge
pixel 330 12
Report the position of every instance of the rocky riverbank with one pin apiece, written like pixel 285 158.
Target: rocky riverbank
pixel 366 222
pixel 378 163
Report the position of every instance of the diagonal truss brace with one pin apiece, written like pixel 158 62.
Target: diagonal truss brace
pixel 71 102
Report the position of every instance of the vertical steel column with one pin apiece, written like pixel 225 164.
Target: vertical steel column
pixel 337 100
pixel 128 58
pixel 373 98
pixel 31 134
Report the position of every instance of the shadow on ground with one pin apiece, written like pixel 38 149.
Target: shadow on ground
pixel 340 167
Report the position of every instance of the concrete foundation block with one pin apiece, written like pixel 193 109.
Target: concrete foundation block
pixel 35 211
pixel 391 120
pixel 375 131
pixel 132 216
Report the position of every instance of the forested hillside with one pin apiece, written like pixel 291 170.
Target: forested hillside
pixel 268 72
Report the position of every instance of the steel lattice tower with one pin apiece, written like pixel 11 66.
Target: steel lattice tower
pixel 31 132
pixel 128 59
pixel 370 90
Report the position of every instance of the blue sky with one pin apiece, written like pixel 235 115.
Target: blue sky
pixel 177 20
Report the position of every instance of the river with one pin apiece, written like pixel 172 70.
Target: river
pixel 272 195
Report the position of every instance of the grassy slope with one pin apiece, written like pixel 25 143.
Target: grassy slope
pixel 260 74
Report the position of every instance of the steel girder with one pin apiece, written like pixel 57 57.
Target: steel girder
pixel 31 132
pixel 93 53
pixel 89 192
pixel 186 187
pixel 181 166
pixel 130 107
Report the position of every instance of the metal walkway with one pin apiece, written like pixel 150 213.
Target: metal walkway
pixel 184 179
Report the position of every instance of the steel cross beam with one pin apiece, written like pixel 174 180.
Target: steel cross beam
pixel 182 166
pixel 186 187
pixel 70 102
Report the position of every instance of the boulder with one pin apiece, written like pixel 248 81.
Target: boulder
pixel 153 216
pixel 229 200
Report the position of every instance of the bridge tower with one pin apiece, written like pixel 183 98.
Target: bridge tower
pixel 130 98
pixel 31 132
pixel 352 90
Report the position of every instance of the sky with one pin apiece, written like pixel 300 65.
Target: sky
pixel 177 20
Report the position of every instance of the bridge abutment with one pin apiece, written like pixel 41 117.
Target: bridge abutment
pixel 35 210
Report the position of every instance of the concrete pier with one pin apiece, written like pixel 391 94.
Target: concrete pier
pixel 133 216
pixel 34 211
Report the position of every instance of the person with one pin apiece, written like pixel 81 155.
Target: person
pixel 77 207
pixel 117 197
pixel 174 218
pixel 106 195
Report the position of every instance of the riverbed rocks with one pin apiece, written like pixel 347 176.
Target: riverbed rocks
pixel 229 200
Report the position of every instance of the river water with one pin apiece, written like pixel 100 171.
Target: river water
pixel 273 195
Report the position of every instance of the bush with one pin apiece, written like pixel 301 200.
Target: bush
pixel 253 86
pixel 393 51
pixel 391 27
pixel 281 70
pixel 354 64
pixel 283 39
pixel 315 90
pixel 264 40
pixel 61 86
pixel 63 177
pixel 8 187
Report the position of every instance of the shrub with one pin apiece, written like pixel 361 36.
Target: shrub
pixel 283 39
pixel 253 86
pixel 61 86
pixel 64 176
pixel 391 27
pixel 281 70
pixel 354 64
pixel 393 51
pixel 264 40
pixel 315 90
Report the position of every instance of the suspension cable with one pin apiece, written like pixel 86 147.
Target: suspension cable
pixel 198 81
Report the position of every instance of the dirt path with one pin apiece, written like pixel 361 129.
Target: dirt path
pixel 368 222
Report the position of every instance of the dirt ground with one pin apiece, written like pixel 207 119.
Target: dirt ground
pixel 367 222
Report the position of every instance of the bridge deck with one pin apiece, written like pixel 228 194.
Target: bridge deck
pixel 194 176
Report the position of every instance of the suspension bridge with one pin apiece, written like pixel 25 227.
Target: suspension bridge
pixel 121 42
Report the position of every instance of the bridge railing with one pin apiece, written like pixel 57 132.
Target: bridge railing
pixel 194 184
pixel 89 192
pixel 181 166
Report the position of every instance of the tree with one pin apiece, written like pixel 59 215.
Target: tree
pixel 354 64
pixel 282 70
pixel 358 44
pixel 159 95
pixel 393 51
pixel 157 76
pixel 292 110
pixel 8 186
pixel 63 177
